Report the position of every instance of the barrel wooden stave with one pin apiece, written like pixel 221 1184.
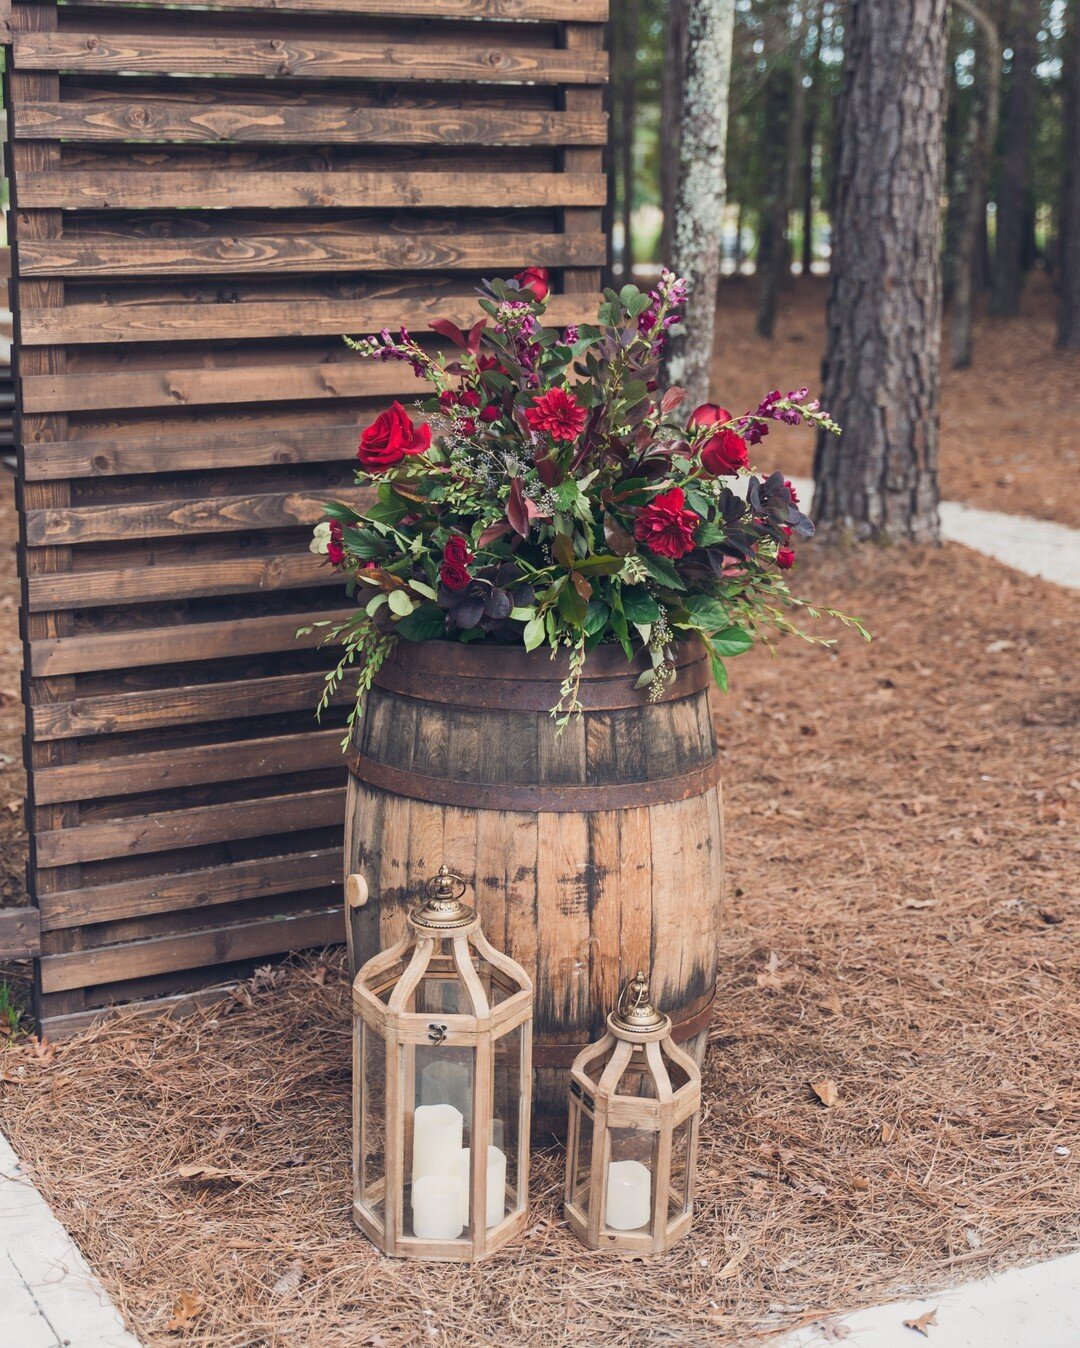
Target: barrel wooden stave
pixel 580 898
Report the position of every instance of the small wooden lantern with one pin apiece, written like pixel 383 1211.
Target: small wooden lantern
pixel 442 1087
pixel 635 1100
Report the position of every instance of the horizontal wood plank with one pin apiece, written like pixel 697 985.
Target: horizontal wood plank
pixel 124 775
pixel 266 635
pixel 94 324
pixel 153 54
pixel 271 440
pixel 196 827
pixel 186 123
pixel 211 189
pixel 190 580
pixel 205 888
pixel 575 11
pixel 55 526
pixel 350 378
pixel 20 933
pixel 305 253
pixel 116 713
pixel 140 959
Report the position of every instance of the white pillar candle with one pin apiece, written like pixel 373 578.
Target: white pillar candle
pixel 445 1082
pixel 629 1195
pixel 436 1205
pixel 437 1134
pixel 496 1184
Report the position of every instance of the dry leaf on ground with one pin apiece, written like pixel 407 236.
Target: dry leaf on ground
pixel 923 1323
pixel 187 1308
pixel 826 1091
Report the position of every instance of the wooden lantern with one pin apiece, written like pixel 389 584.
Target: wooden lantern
pixel 635 1100
pixel 442 1077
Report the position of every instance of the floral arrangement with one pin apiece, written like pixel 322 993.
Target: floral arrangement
pixel 552 496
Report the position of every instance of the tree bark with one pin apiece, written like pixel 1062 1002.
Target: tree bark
pixel 626 35
pixel 1012 200
pixel 1068 246
pixel 671 100
pixel 699 200
pixel 881 371
pixel 980 135
pixel 809 138
pixel 772 256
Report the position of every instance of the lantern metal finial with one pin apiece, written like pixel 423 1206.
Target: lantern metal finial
pixel 635 1016
pixel 443 909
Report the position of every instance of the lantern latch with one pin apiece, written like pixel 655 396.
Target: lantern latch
pixel 436 1033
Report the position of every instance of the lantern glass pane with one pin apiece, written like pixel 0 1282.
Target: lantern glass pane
pixel 679 1189
pixel 630 1172
pixel 371 1148
pixel 438 1080
pixel 384 984
pixel 441 991
pixel 676 1071
pixel 506 1195
pixel 594 1067
pixel 580 1193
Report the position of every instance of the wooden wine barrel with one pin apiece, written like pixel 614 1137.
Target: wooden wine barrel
pixel 591 853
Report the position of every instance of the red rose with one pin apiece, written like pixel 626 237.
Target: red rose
pixel 470 398
pixel 335 550
pixel 454 575
pixel 457 551
pixel 558 413
pixel 390 437
pixel 708 414
pixel 665 526
pixel 465 426
pixel 490 413
pixel 536 279
pixel 794 493
pixel 785 558
pixel 724 454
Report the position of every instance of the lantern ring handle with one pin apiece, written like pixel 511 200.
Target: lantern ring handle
pixel 445 884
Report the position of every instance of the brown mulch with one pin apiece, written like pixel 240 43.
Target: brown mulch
pixel 1009 438
pixel 901 932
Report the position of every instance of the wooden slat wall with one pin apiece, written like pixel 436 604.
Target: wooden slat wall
pixel 203 201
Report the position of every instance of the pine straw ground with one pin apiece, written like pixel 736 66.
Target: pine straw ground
pixel 902 929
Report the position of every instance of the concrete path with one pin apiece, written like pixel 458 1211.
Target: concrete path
pixel 1033 1307
pixel 1036 547
pixel 49 1298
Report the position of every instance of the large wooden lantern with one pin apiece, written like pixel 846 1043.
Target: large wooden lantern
pixel 635 1099
pixel 442 1087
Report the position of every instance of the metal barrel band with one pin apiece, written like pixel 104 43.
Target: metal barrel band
pixel 534 798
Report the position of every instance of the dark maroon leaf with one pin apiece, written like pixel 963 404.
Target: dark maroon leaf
pixel 516 510
pixel 671 399
pixel 474 335
pixel 492 532
pixel 498 605
pixel 583 587
pixel 563 550
pixel 445 328
pixel 618 539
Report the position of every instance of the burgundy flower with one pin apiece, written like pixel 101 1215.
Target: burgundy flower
pixel 558 413
pixel 490 413
pixel 469 398
pixel 724 454
pixel 335 549
pixel 708 414
pixel 794 493
pixel 454 575
pixel 457 551
pixel 390 437
pixel 785 558
pixel 536 279
pixel 666 526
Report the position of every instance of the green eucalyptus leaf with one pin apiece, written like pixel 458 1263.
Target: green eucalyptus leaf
pixel 400 603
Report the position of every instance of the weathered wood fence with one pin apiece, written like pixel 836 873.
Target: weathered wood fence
pixel 203 200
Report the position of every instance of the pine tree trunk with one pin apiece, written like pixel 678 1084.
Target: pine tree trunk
pixel 625 62
pixel 1012 201
pixel 980 135
pixel 699 201
pixel 772 252
pixel 881 371
pixel 1068 248
pixel 809 138
pixel 671 101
